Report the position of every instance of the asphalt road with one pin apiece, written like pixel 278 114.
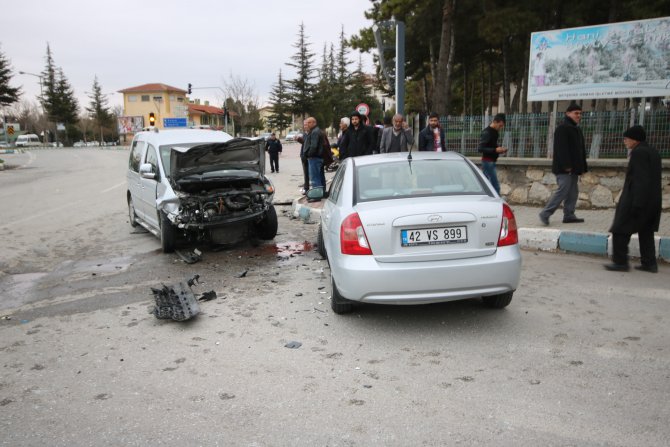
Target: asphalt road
pixel 580 358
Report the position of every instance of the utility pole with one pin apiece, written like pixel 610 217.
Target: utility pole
pixel 399 59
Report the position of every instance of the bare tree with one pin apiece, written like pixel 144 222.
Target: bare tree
pixel 241 97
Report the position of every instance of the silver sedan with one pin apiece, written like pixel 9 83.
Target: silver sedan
pixel 425 228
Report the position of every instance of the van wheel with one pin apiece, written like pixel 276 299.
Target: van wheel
pixel 131 213
pixel 267 228
pixel 498 301
pixel 168 234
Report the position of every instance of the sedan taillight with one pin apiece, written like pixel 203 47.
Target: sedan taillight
pixel 508 231
pixel 353 240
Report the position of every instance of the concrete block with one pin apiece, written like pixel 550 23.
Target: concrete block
pixel 664 249
pixel 579 242
pixel 539 239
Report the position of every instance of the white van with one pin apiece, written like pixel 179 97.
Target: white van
pixel 29 139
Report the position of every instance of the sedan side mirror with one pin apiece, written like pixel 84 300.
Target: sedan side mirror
pixel 147 171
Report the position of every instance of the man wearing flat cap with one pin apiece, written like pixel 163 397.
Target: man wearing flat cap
pixel 568 164
pixel 639 207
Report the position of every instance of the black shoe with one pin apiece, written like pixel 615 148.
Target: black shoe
pixel 617 267
pixel 544 219
pixel 573 219
pixel 647 268
pixel 272 172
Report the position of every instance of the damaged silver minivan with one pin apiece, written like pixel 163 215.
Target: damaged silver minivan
pixel 202 184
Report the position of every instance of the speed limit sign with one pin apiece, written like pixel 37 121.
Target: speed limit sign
pixel 363 109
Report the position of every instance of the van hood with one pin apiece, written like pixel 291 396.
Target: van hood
pixel 236 159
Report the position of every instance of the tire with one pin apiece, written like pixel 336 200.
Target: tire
pixel 168 234
pixel 131 212
pixel 267 228
pixel 337 303
pixel 319 242
pixel 498 301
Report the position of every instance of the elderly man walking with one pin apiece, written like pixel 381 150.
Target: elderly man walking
pixel 568 164
pixel 639 207
pixel 398 137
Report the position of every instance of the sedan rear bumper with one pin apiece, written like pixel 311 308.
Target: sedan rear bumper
pixel 361 278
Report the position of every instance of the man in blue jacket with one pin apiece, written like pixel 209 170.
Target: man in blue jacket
pixel 432 137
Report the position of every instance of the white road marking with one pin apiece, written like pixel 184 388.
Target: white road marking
pixel 112 187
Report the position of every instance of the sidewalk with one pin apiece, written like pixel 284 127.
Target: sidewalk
pixel 590 237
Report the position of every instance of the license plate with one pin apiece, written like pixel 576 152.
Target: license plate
pixel 434 236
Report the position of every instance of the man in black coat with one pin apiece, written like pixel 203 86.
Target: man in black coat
pixel 273 146
pixel 357 140
pixel 568 164
pixel 639 207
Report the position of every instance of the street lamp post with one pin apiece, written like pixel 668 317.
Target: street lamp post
pixel 41 100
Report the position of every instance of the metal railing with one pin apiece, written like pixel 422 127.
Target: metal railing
pixel 531 135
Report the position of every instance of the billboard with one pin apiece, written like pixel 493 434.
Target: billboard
pixel 617 60
pixel 130 124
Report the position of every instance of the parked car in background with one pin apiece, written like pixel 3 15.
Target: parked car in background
pixel 28 140
pixel 416 230
pixel 202 184
pixel 291 136
pixel 265 135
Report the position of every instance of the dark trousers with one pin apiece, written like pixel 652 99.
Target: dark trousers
pixel 620 243
pixel 305 172
pixel 274 161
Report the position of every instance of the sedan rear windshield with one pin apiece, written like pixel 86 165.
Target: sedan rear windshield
pixel 423 178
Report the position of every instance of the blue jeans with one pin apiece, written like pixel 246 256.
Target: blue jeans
pixel 489 170
pixel 315 177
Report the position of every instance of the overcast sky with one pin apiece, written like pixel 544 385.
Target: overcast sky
pixel 129 43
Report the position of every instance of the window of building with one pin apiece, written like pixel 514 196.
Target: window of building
pixel 158 98
pixel 132 98
pixel 172 98
pixel 180 99
pixel 145 98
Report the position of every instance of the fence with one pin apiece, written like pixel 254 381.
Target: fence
pixel 531 135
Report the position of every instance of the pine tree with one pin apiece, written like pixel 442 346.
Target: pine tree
pixel 281 116
pixel 8 94
pixel 301 88
pixel 48 98
pixel 58 97
pixel 98 108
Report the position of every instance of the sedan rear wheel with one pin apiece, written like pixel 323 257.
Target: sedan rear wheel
pixel 319 242
pixel 339 304
pixel 131 213
pixel 498 301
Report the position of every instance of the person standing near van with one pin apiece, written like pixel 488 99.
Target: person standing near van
pixel 488 146
pixel 273 146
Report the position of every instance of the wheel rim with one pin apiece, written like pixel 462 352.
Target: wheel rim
pixel 131 210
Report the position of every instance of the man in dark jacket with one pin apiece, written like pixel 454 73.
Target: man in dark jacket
pixel 568 164
pixel 314 152
pixel 488 146
pixel 432 137
pixel 357 139
pixel 639 207
pixel 273 146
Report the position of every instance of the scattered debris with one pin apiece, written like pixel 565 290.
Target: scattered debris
pixel 298 294
pixel 190 257
pixel 208 296
pixel 293 345
pixel 6 317
pixel 176 302
pixel 243 274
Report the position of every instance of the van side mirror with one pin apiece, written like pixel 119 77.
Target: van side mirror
pixel 147 171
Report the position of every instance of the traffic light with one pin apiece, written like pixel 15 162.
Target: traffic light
pixel 189 88
pixel 152 119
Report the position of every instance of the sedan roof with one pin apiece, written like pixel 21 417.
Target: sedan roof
pixel 397 156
